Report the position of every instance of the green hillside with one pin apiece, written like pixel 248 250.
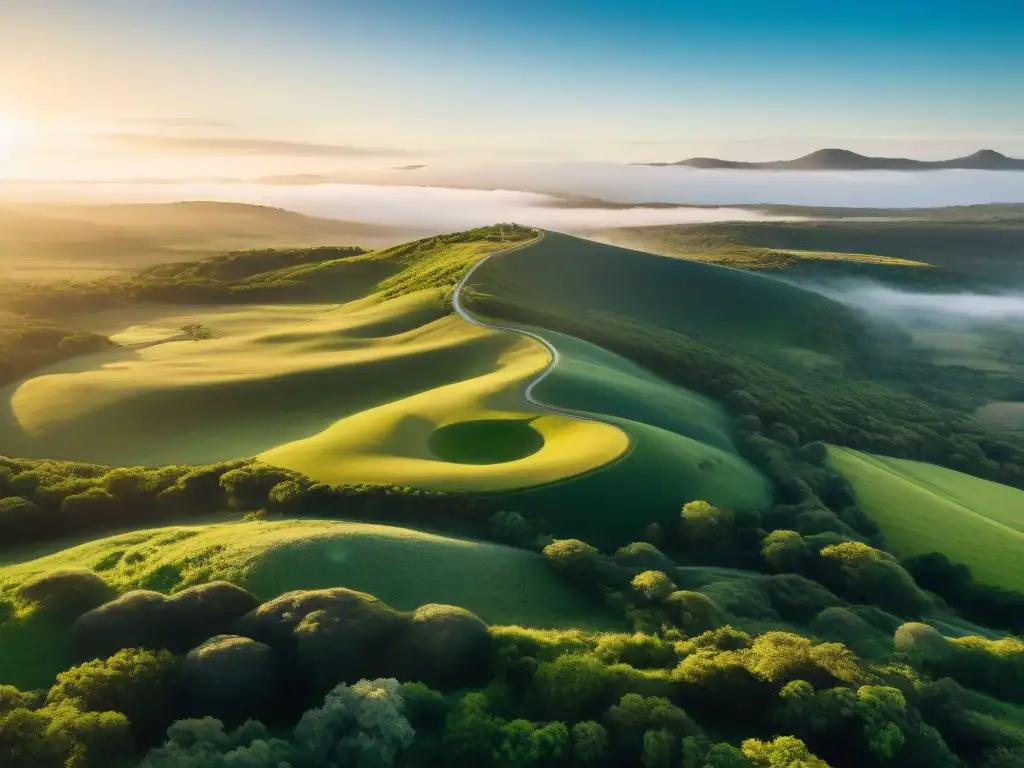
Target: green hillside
pixel 966 244
pixel 924 508
pixel 403 567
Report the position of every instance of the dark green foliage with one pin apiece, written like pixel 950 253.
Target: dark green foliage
pixel 67 594
pixel 249 486
pixel 28 343
pixel 784 551
pixel 642 555
pixel 21 520
pixel 203 743
pixel 992 606
pixel 229 677
pixel 796 598
pixel 137 683
pixel 332 635
pixel 693 612
pixel 62 735
pixel 867 575
pixel 137 619
pixel 200 612
pixel 446 647
pixel 576 559
pixel 509 527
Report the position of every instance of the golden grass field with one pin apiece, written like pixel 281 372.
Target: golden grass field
pixel 347 393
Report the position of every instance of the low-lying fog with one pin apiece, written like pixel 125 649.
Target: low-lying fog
pixel 960 308
pixel 422 209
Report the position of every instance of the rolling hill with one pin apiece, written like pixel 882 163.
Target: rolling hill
pixel 404 567
pixel 55 242
pixel 845 160
pixel 924 508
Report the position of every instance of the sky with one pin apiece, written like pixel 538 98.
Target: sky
pixel 171 88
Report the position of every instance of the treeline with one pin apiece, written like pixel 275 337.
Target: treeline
pixel 27 344
pixel 211 677
pixel 42 500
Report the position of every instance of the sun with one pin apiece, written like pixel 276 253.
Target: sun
pixel 10 131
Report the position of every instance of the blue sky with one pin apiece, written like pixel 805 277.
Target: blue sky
pixel 528 79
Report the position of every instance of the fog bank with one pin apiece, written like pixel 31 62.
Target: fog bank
pixel 425 209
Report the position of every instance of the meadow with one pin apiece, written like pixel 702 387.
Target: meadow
pixel 924 508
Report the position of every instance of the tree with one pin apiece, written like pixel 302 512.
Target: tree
pixel 659 749
pixel 782 752
pixel 589 742
pixel 574 558
pixel 134 682
pixel 692 612
pixel 783 551
pixel 204 742
pixel 865 574
pixel 706 525
pixel 196 331
pixel 20 519
pixel 471 734
pixel 512 528
pixel 360 726
pixel 652 586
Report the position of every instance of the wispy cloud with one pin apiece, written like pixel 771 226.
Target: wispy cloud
pixel 172 122
pixel 233 145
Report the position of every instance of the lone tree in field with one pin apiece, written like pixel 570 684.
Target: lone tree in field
pixel 196 331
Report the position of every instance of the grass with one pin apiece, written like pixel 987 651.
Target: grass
pixel 405 568
pixel 349 394
pixel 959 244
pixel 924 508
pixel 682 447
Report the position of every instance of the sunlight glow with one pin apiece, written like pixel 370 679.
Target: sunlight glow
pixel 10 131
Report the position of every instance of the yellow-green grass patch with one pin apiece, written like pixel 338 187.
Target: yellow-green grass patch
pixel 344 394
pixel 925 508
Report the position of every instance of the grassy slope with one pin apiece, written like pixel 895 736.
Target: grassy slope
pixel 924 508
pixel 403 567
pixel 682 447
pixel 957 247
pixel 343 394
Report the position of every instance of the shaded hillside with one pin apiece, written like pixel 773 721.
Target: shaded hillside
pixel 978 250
pixel 845 160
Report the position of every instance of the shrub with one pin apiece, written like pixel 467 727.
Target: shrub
pixel 652 586
pixel 865 574
pixel 357 726
pixel 693 612
pixel 228 677
pixel 136 619
pixel 200 612
pixel 783 551
pixel 574 558
pixel 641 554
pixel 135 682
pixel 511 528
pixel 446 647
pixel 67 594
pixel 589 742
pixel 335 634
pixel 204 743
pixel 781 752
pixel 20 520
pixel 797 598
pixel 706 525
pixel 921 642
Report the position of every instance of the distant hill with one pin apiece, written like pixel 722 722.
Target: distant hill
pixel 844 160
pixel 58 241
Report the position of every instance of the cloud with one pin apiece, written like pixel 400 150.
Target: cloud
pixel 173 122
pixel 233 145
